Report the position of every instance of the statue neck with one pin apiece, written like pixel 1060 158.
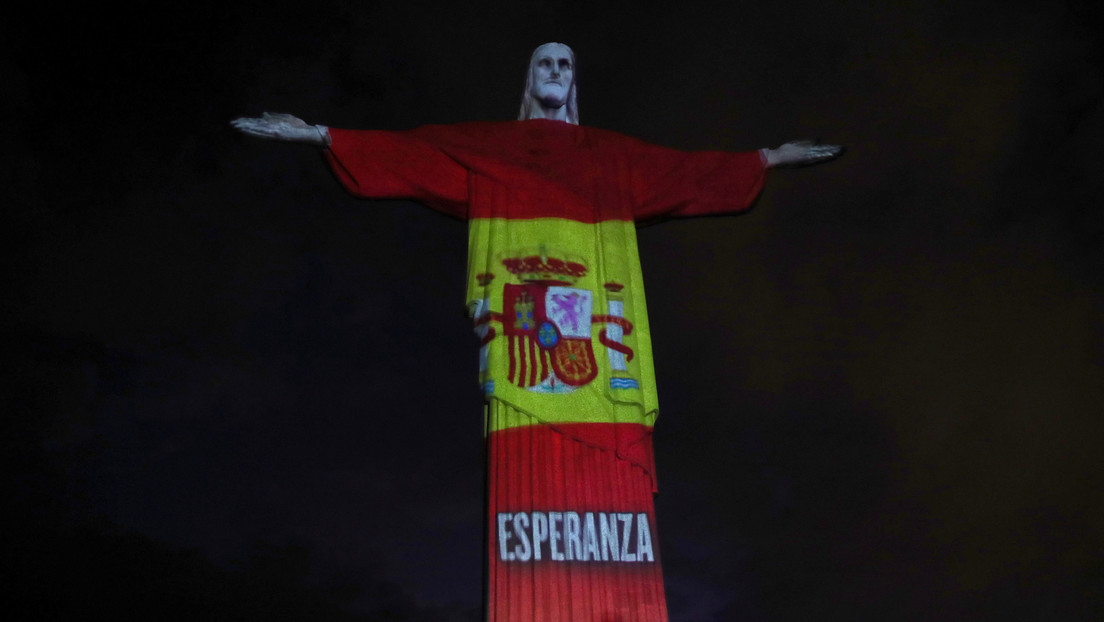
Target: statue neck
pixel 540 111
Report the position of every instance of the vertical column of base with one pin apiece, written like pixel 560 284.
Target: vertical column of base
pixel 571 527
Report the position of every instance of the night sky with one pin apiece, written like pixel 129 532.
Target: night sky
pixel 882 389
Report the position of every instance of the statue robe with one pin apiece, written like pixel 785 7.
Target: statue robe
pixel 556 296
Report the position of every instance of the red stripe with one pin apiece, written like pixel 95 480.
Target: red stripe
pixel 533 362
pixel 444 167
pixel 537 468
pixel 538 362
pixel 513 360
pixel 538 371
pixel 523 358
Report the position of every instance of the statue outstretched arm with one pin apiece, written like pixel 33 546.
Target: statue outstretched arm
pixel 275 126
pixel 801 153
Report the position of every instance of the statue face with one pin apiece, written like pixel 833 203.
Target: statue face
pixel 553 74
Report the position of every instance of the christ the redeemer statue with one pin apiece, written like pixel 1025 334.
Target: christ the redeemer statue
pixel 556 296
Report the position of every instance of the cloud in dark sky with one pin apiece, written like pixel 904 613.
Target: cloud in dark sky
pixel 880 387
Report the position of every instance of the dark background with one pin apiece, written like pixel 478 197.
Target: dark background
pixel 234 392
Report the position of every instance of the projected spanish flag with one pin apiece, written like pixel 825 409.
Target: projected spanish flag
pixel 556 297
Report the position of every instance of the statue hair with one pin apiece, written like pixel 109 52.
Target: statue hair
pixel 527 97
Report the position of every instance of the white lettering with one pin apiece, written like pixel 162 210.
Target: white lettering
pixel 554 536
pixel 590 538
pixel 503 518
pixel 626 531
pixel 643 539
pixel 540 532
pixel 609 537
pixel 574 537
pixel 522 552
pixel 572 543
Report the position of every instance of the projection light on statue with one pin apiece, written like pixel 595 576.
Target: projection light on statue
pixel 618 537
pixel 565 356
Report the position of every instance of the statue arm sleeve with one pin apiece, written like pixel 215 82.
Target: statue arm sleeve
pixel 675 184
pixel 395 165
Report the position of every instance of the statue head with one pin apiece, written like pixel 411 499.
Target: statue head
pixel 550 85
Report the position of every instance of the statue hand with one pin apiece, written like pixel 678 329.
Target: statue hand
pixel 801 153
pixel 283 127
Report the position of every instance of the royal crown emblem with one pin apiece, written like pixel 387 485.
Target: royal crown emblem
pixel 545 269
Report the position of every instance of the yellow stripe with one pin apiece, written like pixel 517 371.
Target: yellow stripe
pixel 608 250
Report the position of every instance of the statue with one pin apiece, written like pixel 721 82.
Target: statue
pixel 556 297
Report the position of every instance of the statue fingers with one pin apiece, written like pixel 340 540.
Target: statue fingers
pixel 821 153
pixel 265 128
pixel 804 143
pixel 288 120
pixel 252 126
pixel 798 153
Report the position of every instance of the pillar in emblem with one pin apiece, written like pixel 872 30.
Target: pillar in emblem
pixel 614 332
